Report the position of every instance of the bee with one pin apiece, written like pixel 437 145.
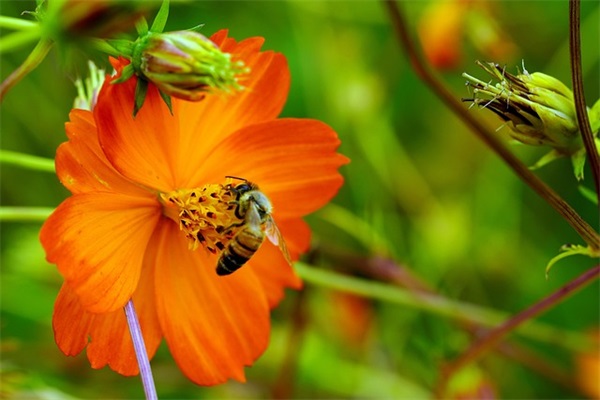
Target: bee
pixel 254 209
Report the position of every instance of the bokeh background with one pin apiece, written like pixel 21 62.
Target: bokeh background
pixel 421 191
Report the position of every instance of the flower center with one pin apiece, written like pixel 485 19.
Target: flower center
pixel 206 215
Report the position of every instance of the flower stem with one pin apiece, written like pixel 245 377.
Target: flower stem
pixel 19 39
pixel 439 305
pixel 140 351
pixel 25 214
pixel 494 336
pixel 16 23
pixel 34 59
pixel 578 95
pixel 26 161
pixel 587 233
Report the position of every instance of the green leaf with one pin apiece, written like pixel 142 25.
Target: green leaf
pixel 124 47
pixel 546 159
pixel 588 194
pixel 197 28
pixel 594 116
pixel 167 99
pixel 125 74
pixel 140 95
pixel 161 17
pixel 578 160
pixel 141 26
pixel 570 250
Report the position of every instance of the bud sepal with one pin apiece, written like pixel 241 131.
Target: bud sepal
pixel 538 109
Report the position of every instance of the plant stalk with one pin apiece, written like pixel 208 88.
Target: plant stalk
pixel 457 310
pixel 494 336
pixel 27 161
pixel 578 92
pixel 34 59
pixel 587 233
pixel 25 214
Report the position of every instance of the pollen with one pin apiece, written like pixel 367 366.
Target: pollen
pixel 206 215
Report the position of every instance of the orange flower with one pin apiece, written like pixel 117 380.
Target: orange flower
pixel 117 237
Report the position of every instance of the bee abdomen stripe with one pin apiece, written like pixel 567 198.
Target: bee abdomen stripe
pixel 234 256
pixel 244 246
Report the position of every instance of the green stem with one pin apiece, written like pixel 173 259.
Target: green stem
pixel 19 39
pixel 34 59
pixel 27 161
pixel 587 233
pixel 461 311
pixel 16 23
pixel 25 214
pixel 578 94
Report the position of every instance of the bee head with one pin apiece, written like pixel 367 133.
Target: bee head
pixel 242 188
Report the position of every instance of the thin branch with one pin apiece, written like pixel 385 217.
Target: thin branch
pixel 494 336
pixel 587 233
pixel 578 94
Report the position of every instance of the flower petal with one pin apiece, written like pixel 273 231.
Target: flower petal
pixel 98 241
pixel 292 160
pixel 269 266
pixel 214 325
pixel 108 333
pixel 219 115
pixel 163 151
pixel 143 148
pixel 80 163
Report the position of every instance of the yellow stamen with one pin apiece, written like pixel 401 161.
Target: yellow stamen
pixel 205 215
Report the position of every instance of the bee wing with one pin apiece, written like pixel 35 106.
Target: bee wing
pixel 275 237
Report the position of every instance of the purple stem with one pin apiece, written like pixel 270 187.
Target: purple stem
pixel 140 351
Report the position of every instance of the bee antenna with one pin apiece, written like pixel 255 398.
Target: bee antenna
pixel 236 177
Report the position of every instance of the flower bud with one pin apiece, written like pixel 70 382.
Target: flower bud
pixel 538 108
pixel 185 64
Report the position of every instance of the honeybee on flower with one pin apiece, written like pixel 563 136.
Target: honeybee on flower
pixel 254 209
pixel 147 193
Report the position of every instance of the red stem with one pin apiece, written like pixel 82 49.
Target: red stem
pixel 578 94
pixel 587 233
pixel 492 337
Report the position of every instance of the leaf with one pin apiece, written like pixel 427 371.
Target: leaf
pixel 594 116
pixel 570 250
pixel 546 159
pixel 140 95
pixel 125 74
pixel 578 160
pixel 588 194
pixel 141 26
pixel 167 99
pixel 124 47
pixel 161 17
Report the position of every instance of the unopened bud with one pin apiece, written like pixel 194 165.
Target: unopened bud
pixel 185 64
pixel 538 108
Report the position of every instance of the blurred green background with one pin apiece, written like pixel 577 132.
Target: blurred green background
pixel 420 190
